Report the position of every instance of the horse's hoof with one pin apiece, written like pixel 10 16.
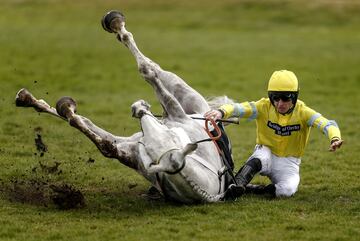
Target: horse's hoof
pixel 24 98
pixel 112 21
pixel 140 108
pixel 65 106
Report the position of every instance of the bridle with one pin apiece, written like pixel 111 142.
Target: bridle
pixel 211 138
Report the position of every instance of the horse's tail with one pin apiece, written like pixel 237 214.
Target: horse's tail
pixel 217 101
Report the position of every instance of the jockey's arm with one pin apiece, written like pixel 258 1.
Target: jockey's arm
pixel 240 110
pixel 328 127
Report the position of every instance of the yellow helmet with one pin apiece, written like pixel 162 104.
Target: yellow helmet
pixel 284 85
pixel 284 81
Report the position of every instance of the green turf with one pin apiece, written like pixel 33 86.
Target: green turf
pixel 56 48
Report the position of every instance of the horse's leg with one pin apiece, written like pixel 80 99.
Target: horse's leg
pixel 169 102
pixel 121 148
pixel 190 100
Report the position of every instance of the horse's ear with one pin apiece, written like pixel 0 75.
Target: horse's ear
pixel 189 148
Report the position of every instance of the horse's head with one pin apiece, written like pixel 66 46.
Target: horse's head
pixel 164 147
pixel 171 161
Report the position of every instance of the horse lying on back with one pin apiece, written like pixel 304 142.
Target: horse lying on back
pixel 168 152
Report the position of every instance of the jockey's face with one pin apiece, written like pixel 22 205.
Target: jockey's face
pixel 283 106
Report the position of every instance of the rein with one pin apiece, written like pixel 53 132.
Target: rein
pixel 211 137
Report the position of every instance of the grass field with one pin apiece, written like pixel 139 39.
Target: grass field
pixel 56 48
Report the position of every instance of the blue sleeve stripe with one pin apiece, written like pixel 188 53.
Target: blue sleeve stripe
pixel 313 118
pixel 254 111
pixel 319 124
pixel 330 123
pixel 238 110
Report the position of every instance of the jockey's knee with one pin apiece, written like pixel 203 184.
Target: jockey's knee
pixel 285 190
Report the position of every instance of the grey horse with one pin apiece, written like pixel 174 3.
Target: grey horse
pixel 169 152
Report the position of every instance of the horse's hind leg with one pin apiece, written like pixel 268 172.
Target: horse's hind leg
pixel 190 100
pixel 121 148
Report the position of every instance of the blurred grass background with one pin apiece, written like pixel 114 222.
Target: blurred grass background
pixel 56 48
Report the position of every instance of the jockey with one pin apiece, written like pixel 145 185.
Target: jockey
pixel 283 128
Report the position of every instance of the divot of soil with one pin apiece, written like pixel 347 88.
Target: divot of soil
pixel 67 197
pixel 47 168
pixel 132 185
pixel 40 146
pixel 41 193
pixel 38 129
pixel 90 160
pixel 51 169
pixel 31 192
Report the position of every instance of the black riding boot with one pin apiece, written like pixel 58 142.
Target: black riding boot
pixel 242 178
pixel 261 189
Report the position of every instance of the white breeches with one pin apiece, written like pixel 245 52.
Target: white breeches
pixel 282 171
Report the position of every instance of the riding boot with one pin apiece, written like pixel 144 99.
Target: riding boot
pixel 242 178
pixel 260 189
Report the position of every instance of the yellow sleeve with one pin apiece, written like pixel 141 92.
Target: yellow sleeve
pixel 242 110
pixel 328 127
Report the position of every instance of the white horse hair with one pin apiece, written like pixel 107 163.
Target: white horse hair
pixel 216 101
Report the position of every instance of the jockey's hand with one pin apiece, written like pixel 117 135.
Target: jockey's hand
pixel 335 144
pixel 213 114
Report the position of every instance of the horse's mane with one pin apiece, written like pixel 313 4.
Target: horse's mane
pixel 216 101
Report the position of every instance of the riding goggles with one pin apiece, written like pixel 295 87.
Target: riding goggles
pixel 284 96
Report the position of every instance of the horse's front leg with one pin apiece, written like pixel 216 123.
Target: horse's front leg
pixel 122 148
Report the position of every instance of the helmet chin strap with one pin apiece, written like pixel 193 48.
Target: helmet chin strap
pixel 286 113
pixel 289 111
pixel 293 106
